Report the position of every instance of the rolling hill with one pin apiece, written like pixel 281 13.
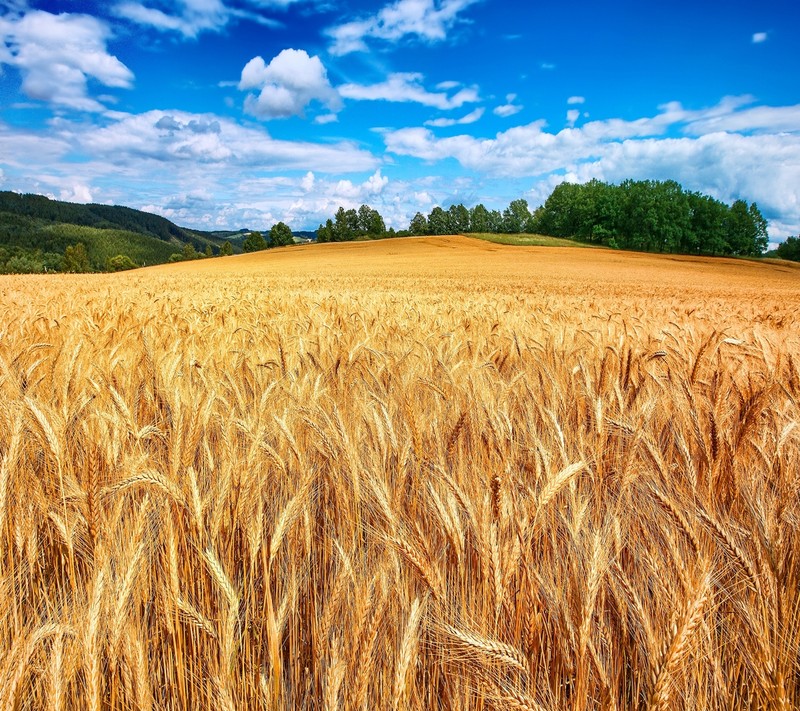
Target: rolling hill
pixel 35 232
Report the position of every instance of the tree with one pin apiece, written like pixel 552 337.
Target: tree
pixel 209 251
pixel 345 226
pixel 761 236
pixel 120 263
pixel 457 219
pixel 280 235
pixel 437 221
pixel 419 224
pixel 516 216
pixel 226 250
pixel 790 249
pixel 76 259
pixel 325 232
pixel 254 242
pixel 189 252
pixel 479 219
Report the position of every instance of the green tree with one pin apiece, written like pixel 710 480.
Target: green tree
pixel 437 221
pixel 516 216
pixel 280 235
pixel 345 226
pixel 76 259
pixel 741 229
pixel 789 249
pixel 120 263
pixel 325 232
pixel 226 250
pixel 209 251
pixel 479 219
pixel 189 252
pixel 457 219
pixel 25 263
pixel 761 236
pixel 254 242
pixel 419 225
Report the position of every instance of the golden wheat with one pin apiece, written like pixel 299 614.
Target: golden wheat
pixel 425 473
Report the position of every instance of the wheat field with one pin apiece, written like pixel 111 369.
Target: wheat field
pixel 415 474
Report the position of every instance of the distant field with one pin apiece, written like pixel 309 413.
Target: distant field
pixel 407 474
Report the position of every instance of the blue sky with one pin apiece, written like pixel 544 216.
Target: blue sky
pixel 240 113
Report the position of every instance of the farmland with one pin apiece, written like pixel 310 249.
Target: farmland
pixel 410 474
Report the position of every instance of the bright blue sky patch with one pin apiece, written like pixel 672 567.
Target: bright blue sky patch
pixel 240 113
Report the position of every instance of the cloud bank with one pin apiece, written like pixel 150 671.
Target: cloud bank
pixel 57 55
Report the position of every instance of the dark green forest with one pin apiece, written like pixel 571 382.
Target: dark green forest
pixel 37 232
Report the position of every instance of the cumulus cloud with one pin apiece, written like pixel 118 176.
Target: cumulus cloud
pixel 759 37
pixel 572 116
pixel 408 87
pixel 201 170
pixel 471 117
pixel 287 85
pixel 426 20
pixel 576 100
pixel 509 108
pixel 177 136
pixel 727 150
pixel 57 55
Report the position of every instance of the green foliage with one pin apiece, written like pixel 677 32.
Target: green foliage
pixel 325 232
pixel 34 223
pixel 789 249
pixel 254 242
pixel 280 235
pixel 226 250
pixel 655 216
pixel 419 224
pixel 76 259
pixel 120 263
pixel 516 217
pixel 353 224
pixel 99 216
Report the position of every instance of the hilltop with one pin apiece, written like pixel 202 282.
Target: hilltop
pixel 36 232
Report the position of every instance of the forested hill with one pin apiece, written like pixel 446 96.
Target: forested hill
pixel 92 215
pixel 39 234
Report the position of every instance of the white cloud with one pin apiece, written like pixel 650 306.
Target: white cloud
pixel 509 108
pixel 576 100
pixel 191 17
pixel 759 37
pixel 407 87
pixel 307 183
pixel 572 116
pixel 57 55
pixel 288 84
pixel 200 170
pixel 547 66
pixel 427 20
pixel 471 117
pixel 323 119
pixel 760 119
pixel 77 193
pixel 727 151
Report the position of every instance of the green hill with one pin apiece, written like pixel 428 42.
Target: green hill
pixel 36 231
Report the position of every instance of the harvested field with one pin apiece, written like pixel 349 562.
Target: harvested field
pixel 411 474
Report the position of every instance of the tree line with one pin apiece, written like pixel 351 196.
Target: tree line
pixel 644 215
pixel 653 216
pixel 279 235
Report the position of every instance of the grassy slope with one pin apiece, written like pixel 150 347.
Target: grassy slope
pixel 529 240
